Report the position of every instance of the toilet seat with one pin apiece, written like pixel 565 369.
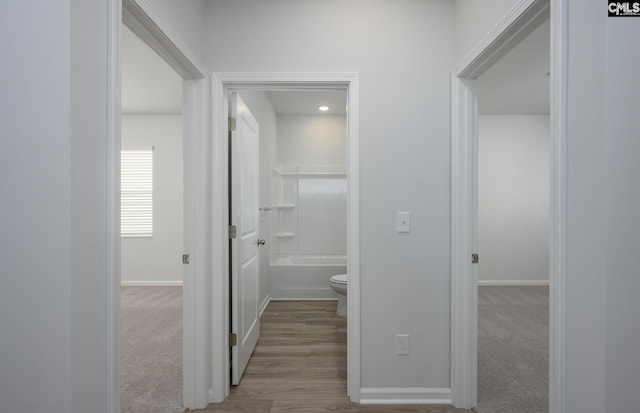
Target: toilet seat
pixel 339 279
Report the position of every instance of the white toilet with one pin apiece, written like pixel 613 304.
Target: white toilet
pixel 338 284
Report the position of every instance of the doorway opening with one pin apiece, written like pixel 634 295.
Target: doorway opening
pixel 144 22
pixel 513 228
pixel 520 22
pixel 151 211
pixel 289 210
pixel 271 83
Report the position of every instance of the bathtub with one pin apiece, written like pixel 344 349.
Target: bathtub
pixel 304 277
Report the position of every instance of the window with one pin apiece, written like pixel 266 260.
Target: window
pixel 136 193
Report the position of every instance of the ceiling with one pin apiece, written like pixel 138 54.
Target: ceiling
pixel 307 102
pixel 518 83
pixel 149 84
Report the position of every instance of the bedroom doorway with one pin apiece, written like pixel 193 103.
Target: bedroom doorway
pixel 151 213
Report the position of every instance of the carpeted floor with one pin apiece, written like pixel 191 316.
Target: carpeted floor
pixel 151 349
pixel 513 349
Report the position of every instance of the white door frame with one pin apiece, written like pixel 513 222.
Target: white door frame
pixel 517 24
pixel 142 18
pixel 221 82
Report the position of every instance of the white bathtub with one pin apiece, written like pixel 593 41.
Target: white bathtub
pixel 302 277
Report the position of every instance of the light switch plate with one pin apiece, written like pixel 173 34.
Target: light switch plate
pixel 403 222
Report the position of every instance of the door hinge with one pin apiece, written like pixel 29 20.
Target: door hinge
pixel 232 124
pixel 233 339
pixel 232 231
pixel 185 258
pixel 474 258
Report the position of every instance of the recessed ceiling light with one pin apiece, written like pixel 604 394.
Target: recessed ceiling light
pixel 323 108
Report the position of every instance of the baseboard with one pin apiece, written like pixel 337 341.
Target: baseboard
pixel 405 396
pixel 514 282
pixel 264 305
pixel 302 299
pixel 151 283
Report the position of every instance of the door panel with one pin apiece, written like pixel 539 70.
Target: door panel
pixel 245 318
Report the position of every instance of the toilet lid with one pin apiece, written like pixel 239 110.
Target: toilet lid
pixel 339 279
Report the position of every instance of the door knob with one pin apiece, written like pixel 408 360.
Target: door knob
pixel 261 242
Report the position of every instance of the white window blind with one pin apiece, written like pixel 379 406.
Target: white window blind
pixel 136 193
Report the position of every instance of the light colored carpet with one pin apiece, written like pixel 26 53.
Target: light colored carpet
pixel 151 349
pixel 513 349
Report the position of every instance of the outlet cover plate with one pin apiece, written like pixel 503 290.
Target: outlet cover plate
pixel 403 221
pixel 402 344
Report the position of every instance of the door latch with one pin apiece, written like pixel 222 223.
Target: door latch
pixel 185 258
pixel 474 258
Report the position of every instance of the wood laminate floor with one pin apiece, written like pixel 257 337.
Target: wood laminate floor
pixel 300 365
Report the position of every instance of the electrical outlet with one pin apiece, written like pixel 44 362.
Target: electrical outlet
pixel 402 344
pixel 403 222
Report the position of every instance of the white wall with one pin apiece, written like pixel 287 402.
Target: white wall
pixel 622 333
pixel 586 208
pixel 473 20
pixel 88 113
pixel 53 302
pixel 187 19
pixel 603 330
pixel 53 227
pixel 261 108
pixel 52 297
pixel 312 140
pixel 36 236
pixel 513 199
pixel 157 259
pixel 403 52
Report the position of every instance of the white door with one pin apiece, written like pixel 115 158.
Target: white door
pixel 245 266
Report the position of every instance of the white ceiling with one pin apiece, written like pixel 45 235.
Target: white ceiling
pixel 307 102
pixel 518 83
pixel 149 84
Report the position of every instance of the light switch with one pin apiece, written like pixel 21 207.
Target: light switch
pixel 403 222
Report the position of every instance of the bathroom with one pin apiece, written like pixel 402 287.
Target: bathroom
pixel 303 192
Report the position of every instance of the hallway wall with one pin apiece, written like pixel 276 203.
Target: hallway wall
pixel 36 296
pixel 54 225
pixel 188 22
pixel 403 51
pixel 475 19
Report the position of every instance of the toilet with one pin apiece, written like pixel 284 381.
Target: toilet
pixel 338 284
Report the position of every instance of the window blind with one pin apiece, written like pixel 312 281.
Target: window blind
pixel 136 193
